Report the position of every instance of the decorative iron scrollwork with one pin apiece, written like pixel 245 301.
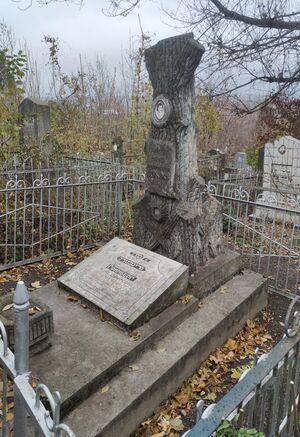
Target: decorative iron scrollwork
pixel 292 316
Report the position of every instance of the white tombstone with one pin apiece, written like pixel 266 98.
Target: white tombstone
pixel 281 177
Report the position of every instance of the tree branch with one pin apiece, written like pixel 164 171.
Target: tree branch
pixel 269 22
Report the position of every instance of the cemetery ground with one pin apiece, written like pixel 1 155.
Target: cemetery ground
pixel 215 376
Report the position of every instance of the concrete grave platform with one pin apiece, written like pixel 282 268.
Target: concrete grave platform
pixel 133 396
pixel 86 352
pixel 130 283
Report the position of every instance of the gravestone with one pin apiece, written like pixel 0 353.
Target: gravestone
pixel 281 179
pixel 129 283
pixel 176 217
pixel 240 160
pixel 117 151
pixel 36 121
pixel 281 164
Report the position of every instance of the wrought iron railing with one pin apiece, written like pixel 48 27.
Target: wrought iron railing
pixel 45 219
pixel 264 226
pixel 29 413
pixel 266 398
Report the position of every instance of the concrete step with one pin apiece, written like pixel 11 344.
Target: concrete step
pixel 133 395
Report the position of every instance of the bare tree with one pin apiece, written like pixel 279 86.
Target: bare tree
pixel 26 4
pixel 249 43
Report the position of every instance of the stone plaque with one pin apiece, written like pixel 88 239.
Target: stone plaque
pixel 161 168
pixel 128 282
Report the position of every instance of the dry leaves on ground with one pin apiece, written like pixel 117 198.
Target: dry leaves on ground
pixel 215 377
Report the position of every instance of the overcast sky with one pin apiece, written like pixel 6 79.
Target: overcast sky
pixel 81 30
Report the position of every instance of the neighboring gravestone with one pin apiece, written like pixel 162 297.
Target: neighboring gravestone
pixel 129 283
pixel 35 120
pixel 175 217
pixel 117 151
pixel 240 160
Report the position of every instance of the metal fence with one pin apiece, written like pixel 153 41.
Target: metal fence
pixel 264 226
pixel 73 167
pixel 45 219
pixel 30 417
pixel 266 397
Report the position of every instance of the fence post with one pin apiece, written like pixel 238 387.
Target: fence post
pixel 21 336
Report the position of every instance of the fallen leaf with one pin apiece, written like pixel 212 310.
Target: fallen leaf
pixel 102 316
pixel 8 307
pixel 36 284
pixel 34 310
pixel 211 396
pixel 105 389
pixel 238 371
pixel 182 398
pixel 135 335
pixel 222 290
pixel 9 417
pixel 160 434
pixel 176 424
pixel 72 298
pixel 185 299
pixel 134 367
pixel 161 349
pixel 230 344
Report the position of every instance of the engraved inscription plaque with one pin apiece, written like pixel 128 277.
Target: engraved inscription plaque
pixel 128 282
pixel 160 171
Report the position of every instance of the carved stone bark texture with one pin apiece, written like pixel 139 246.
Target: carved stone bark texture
pixel 175 218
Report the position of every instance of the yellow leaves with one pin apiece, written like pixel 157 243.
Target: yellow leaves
pixel 185 299
pixel 104 389
pixel 238 371
pixel 231 344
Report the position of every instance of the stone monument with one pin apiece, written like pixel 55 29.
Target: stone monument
pixel 36 121
pixel 117 150
pixel 176 218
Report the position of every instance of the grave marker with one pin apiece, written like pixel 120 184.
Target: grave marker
pixel 176 217
pixel 128 282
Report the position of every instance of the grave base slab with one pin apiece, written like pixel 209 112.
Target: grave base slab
pixel 133 395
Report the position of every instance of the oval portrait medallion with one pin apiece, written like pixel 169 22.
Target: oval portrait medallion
pixel 161 110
